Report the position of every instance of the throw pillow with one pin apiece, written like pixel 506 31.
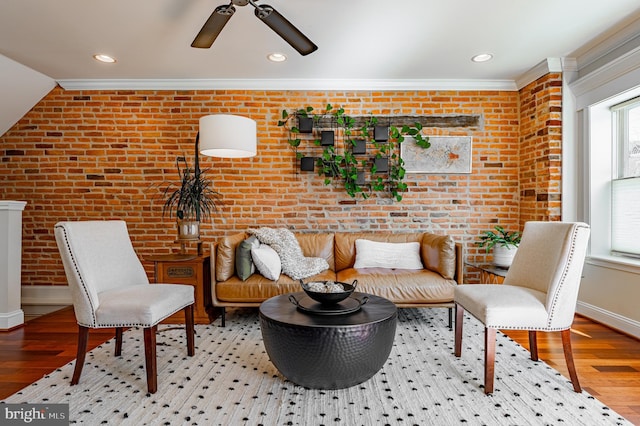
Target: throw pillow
pixel 294 263
pixel 267 261
pixel 244 263
pixel 373 254
pixel 439 254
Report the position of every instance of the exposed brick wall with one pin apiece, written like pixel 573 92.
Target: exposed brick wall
pixel 541 149
pixel 98 154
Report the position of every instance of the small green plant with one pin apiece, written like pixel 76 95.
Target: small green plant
pixel 488 239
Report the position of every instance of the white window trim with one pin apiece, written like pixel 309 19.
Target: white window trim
pixel 593 96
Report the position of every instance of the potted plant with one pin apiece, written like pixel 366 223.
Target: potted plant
pixel 192 199
pixel 503 243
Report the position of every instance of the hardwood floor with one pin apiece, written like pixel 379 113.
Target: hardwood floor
pixel 608 362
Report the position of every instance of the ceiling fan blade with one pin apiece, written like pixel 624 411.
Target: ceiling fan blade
pixel 214 25
pixel 285 29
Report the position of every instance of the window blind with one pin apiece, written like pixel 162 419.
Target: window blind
pixel 625 216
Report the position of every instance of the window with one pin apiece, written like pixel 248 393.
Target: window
pixel 625 184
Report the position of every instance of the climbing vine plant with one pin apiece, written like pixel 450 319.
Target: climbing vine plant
pixel 338 164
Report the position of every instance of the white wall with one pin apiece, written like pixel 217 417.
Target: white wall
pixel 20 89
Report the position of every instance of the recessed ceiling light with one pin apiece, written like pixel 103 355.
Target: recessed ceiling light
pixel 104 58
pixel 482 57
pixel 277 57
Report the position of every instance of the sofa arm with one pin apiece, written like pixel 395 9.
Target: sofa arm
pixel 459 275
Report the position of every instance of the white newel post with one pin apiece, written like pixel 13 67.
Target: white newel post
pixel 11 314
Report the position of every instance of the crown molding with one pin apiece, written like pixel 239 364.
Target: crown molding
pixel 599 79
pixel 284 84
pixel 543 68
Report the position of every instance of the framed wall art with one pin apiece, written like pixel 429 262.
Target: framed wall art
pixel 447 154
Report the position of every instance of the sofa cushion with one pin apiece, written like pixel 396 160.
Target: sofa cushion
pixel 404 286
pixel 257 289
pixel 226 256
pixel 345 244
pixel 375 254
pixel 244 262
pixel 439 254
pixel 267 261
pixel 318 245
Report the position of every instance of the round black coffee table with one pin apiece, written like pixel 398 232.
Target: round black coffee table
pixel 328 351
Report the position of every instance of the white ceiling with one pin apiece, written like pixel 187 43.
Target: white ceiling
pixel 358 40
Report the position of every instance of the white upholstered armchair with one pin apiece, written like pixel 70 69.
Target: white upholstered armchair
pixel 539 292
pixel 110 289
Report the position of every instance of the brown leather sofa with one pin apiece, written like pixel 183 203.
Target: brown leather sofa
pixel 429 287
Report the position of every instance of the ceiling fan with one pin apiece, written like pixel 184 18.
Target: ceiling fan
pixel 267 14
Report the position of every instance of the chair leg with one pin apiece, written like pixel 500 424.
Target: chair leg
pixel 533 344
pixel 458 333
pixel 489 358
pixel 222 316
pixel 118 350
pixel 150 358
pixel 450 318
pixel 568 356
pixel 83 339
pixel 188 320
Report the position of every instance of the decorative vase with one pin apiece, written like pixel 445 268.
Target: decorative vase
pixel 188 230
pixel 503 255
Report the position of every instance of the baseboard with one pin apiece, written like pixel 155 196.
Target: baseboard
pixel 11 320
pixel 41 300
pixel 610 319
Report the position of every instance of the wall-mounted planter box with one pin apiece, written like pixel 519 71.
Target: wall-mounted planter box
pixel 307 164
pixel 360 178
pixel 360 146
pixel 326 138
pixel 381 133
pixel 381 164
pixel 305 124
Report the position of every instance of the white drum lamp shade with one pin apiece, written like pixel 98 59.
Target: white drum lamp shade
pixel 227 136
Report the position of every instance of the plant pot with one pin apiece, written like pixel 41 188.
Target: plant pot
pixel 305 124
pixel 307 164
pixel 360 179
pixel 381 133
pixel 503 255
pixel 381 164
pixel 188 230
pixel 360 146
pixel 326 138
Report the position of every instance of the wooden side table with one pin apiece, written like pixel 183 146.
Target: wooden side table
pixel 187 269
pixel 489 274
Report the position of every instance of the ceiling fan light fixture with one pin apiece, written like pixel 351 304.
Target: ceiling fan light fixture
pixel 104 58
pixel 213 27
pixel 285 29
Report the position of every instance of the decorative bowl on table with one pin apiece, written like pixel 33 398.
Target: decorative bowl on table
pixel 328 292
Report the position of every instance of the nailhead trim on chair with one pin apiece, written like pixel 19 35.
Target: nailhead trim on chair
pixel 84 287
pixel 564 272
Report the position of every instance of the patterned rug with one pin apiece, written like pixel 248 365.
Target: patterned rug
pixel 230 381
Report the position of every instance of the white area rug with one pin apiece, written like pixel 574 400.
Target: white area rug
pixel 230 381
